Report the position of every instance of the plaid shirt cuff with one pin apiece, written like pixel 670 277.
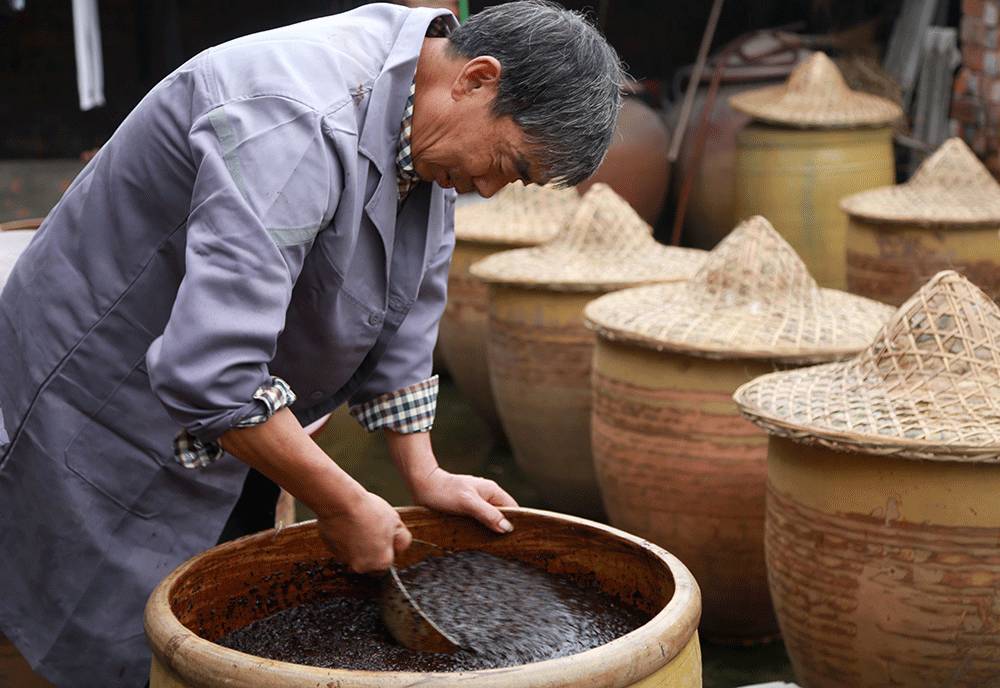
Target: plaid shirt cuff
pixel 191 452
pixel 407 410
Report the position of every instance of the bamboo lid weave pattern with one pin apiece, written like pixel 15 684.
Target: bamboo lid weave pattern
pixel 951 187
pixel 816 95
pixel 12 245
pixel 605 245
pixel 928 387
pixel 518 215
pixel 753 298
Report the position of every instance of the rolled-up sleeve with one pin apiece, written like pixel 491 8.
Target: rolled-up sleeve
pixel 267 182
pixel 401 394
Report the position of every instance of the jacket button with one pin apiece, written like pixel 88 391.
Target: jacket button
pixel 374 319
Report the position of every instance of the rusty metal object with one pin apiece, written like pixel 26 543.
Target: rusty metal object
pixel 699 65
pixel 704 178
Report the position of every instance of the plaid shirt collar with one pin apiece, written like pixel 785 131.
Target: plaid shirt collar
pixel 406 175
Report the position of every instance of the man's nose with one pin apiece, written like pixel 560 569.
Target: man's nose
pixel 487 186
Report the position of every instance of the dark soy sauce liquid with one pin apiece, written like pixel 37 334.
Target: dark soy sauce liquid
pixel 503 613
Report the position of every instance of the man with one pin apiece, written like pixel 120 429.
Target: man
pixel 265 237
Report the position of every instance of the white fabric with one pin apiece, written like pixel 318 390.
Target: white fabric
pixel 12 244
pixel 317 424
pixel 89 62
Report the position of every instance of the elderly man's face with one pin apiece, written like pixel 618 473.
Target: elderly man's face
pixel 458 142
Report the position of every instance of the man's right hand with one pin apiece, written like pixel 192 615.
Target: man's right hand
pixel 367 534
pixel 361 529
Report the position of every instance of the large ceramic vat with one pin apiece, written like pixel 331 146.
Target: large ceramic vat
pixel 814 142
pixel 518 216
pixel 882 516
pixel 234 584
pixel 636 164
pixel 675 461
pixel 539 350
pixel 945 218
pixel 15 671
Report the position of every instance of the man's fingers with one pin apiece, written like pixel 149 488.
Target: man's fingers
pixel 402 539
pixel 496 495
pixel 486 513
pixel 374 563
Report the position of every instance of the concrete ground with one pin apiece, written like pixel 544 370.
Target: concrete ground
pixel 463 444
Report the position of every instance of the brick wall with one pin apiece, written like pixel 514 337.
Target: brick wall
pixel 975 109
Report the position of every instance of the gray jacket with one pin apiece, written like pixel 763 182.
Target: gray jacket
pixel 242 222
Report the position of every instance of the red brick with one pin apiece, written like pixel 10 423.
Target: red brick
pixel 966 83
pixel 966 109
pixel 972 57
pixel 973 8
pixel 975 32
pixel 981 60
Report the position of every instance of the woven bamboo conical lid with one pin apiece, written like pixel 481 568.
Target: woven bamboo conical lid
pixel 951 187
pixel 753 298
pixel 605 245
pixel 927 388
pixel 517 215
pixel 815 95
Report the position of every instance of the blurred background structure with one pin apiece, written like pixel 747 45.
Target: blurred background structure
pixel 879 45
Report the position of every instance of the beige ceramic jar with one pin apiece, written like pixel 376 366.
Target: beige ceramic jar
pixel 813 142
pixel 223 589
pixel 675 461
pixel 882 510
pixel 945 218
pixel 539 349
pixel 518 216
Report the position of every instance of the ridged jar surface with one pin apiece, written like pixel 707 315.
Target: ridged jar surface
pixel 539 360
pixel 677 464
pixel 464 329
pixel 890 262
pixel 232 585
pixel 884 571
pixel 797 178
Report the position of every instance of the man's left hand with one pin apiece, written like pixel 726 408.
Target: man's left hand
pixel 465 495
pixel 436 488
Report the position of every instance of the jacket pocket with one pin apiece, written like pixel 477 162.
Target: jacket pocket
pixel 122 448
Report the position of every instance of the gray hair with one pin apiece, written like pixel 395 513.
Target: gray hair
pixel 560 81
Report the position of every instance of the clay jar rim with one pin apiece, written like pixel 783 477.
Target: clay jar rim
pixel 617 664
pixel 31 223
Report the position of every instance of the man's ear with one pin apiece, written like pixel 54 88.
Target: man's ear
pixel 481 72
